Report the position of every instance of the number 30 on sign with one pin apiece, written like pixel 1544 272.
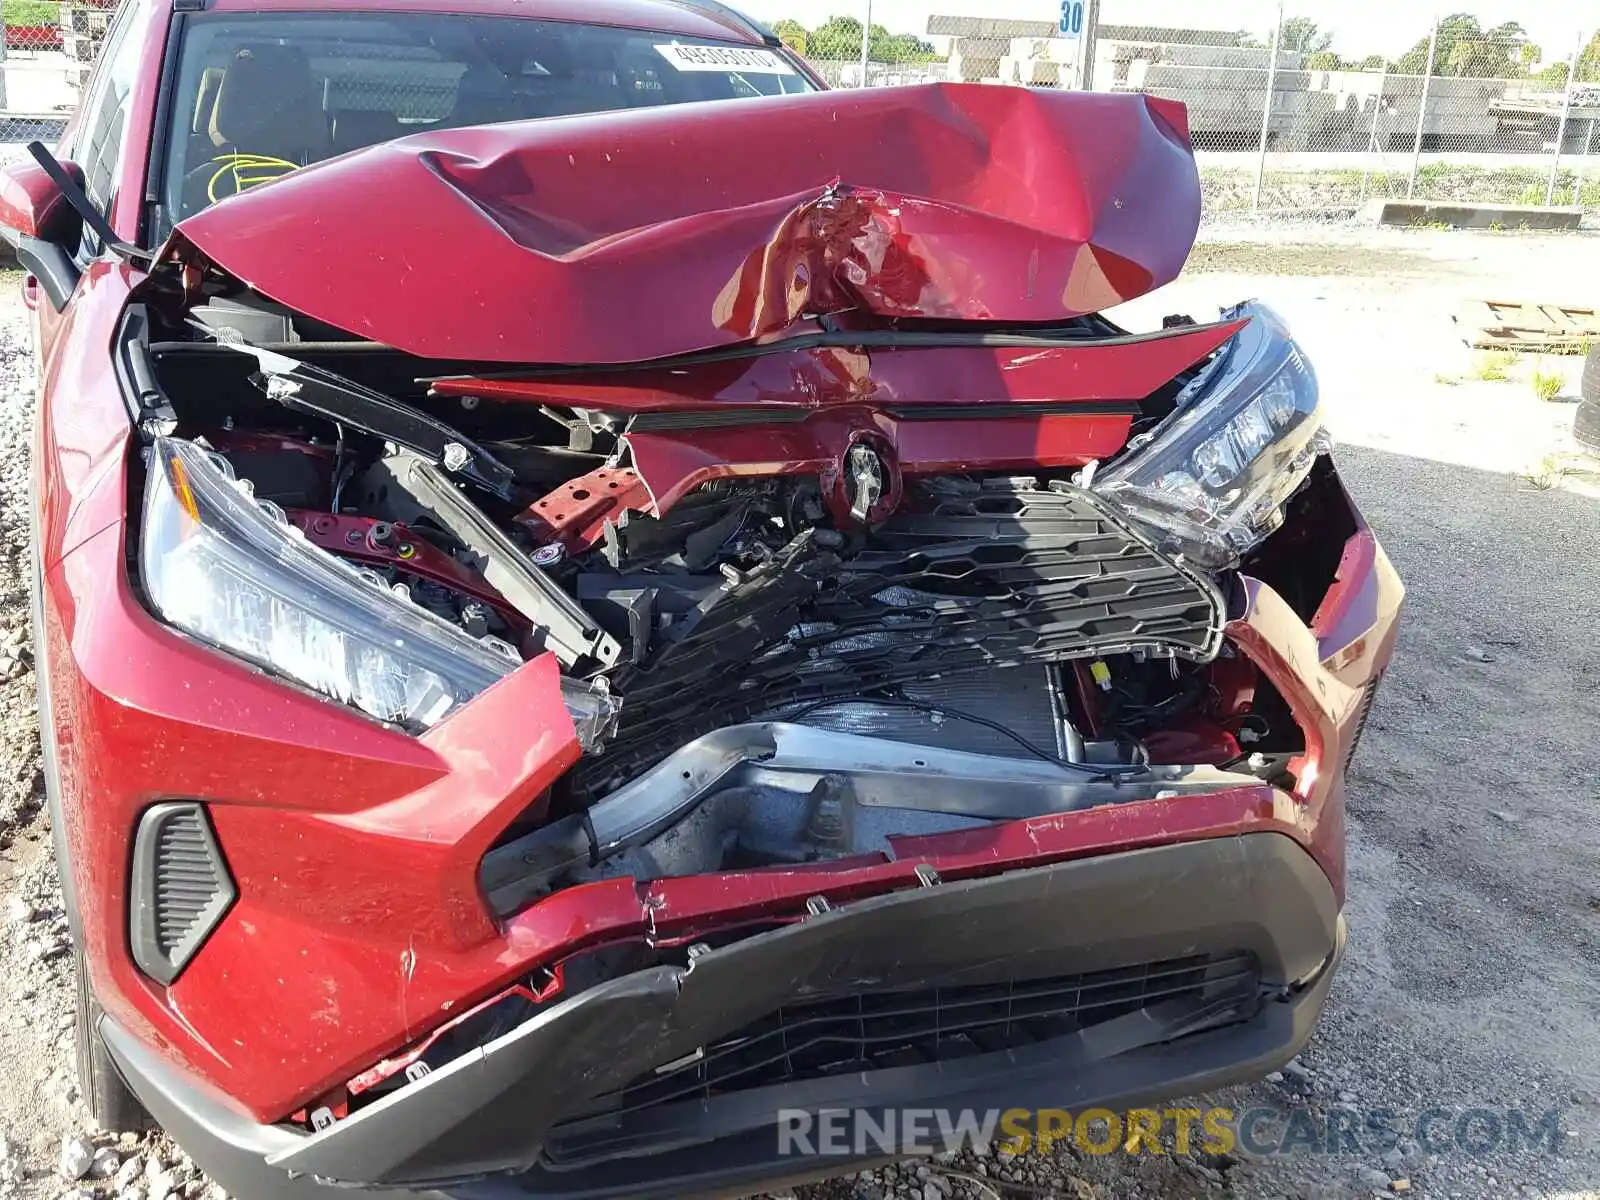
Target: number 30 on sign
pixel 1071 18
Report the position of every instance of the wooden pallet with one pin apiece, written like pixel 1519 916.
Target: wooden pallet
pixel 1538 328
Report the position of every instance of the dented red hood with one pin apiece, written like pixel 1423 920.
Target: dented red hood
pixel 627 236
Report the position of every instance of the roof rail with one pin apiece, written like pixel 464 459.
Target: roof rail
pixel 728 15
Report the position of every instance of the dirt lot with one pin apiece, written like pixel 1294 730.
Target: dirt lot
pixel 1473 974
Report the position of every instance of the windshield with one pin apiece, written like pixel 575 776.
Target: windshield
pixel 260 94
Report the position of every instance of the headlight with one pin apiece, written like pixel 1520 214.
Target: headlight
pixel 1213 478
pixel 231 571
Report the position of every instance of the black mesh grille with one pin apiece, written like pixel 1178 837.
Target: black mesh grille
pixel 1367 699
pixel 187 879
pixel 967 576
pixel 181 888
pixel 869 1032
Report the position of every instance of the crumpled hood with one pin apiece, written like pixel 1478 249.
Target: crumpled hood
pixel 627 236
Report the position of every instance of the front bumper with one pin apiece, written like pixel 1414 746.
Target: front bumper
pixel 490 1115
pixel 358 849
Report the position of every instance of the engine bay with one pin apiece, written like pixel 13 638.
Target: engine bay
pixel 986 614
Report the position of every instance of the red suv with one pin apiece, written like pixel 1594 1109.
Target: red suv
pixel 598 602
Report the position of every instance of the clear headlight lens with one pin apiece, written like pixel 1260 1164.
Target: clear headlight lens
pixel 233 572
pixel 1211 481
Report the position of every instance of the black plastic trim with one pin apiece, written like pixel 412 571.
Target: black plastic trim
pixel 148 405
pixel 154 955
pixel 732 17
pixel 304 387
pixel 666 422
pixel 1021 337
pixel 51 264
pixel 1016 409
pixel 488 1111
pixel 720 418
pixel 228 1145
pixel 155 178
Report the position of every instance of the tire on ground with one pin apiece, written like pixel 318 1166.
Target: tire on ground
pixel 113 1107
pixel 1586 421
pixel 1590 389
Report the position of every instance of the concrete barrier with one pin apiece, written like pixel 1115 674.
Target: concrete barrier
pixel 1472 216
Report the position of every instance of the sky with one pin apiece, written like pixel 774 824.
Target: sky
pixel 1360 27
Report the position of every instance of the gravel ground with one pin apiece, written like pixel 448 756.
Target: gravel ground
pixel 1471 976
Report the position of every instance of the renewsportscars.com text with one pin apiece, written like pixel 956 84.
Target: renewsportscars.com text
pixel 1259 1132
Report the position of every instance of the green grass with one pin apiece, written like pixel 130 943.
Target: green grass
pixel 1494 367
pixel 1547 385
pixel 31 12
pixel 1231 189
pixel 1556 469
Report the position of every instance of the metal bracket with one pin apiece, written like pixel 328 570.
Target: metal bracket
pixel 568 629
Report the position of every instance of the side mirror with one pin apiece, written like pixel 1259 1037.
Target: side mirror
pixel 36 218
pixel 31 205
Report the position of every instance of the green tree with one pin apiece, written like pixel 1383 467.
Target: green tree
pixel 1300 35
pixel 792 34
pixel 1467 50
pixel 1323 60
pixel 1374 62
pixel 898 47
pixel 840 38
pixel 1589 61
pixel 836 38
pixel 1554 77
pixel 32 12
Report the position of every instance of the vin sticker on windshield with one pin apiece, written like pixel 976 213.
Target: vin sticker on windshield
pixel 741 59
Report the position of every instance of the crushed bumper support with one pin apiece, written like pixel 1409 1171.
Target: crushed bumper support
pixel 492 1112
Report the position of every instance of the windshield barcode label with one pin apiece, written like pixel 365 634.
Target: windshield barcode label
pixel 738 59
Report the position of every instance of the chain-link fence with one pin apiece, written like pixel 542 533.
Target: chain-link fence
pixel 1284 118
pixel 48 50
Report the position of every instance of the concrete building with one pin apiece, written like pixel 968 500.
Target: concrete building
pixel 1224 85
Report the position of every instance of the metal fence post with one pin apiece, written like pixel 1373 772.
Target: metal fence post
pixel 1561 129
pixel 866 42
pixel 1266 108
pixel 1581 172
pixel 1422 107
pixel 1372 137
pixel 1091 22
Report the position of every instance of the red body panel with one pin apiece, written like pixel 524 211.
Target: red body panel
pixel 672 464
pixel 30 202
pixel 832 375
pixel 634 235
pixel 853 395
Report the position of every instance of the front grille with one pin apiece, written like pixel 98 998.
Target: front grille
pixel 968 576
pixel 874 1031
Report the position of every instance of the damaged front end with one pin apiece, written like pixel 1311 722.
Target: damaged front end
pixel 890 647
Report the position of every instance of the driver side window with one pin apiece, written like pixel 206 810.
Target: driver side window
pixel 101 137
